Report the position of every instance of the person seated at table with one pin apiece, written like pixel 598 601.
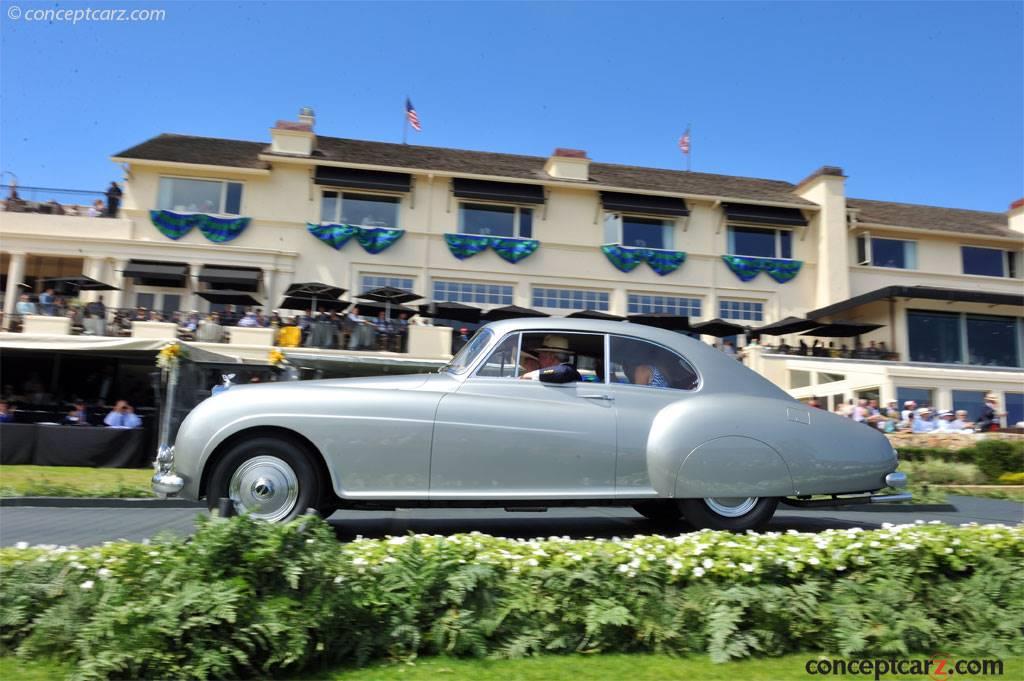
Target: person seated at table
pixel 78 416
pixel 249 320
pixel 123 416
pixel 6 412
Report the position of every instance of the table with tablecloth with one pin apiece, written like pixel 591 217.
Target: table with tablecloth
pixel 46 444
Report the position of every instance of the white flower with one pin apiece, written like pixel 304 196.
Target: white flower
pixel 532 562
pixel 747 567
pixel 623 568
pixel 21 545
pixel 947 550
pixel 813 561
pixel 339 579
pixel 88 584
pixel 708 563
pixel 698 571
pixel 104 573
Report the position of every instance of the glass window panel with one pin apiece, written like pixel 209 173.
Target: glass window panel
pixel 640 363
pixel 862 251
pixel 488 220
pixel 889 253
pixel 526 223
pixel 329 207
pixel 233 198
pixel 752 241
pixel 992 341
pixel 799 379
pixel 984 261
pixel 145 300
pixel 785 243
pixel 825 377
pixel 367 210
pixel 612 228
pixel 171 303
pixel 502 361
pixel 1014 409
pixel 972 401
pixel 643 232
pixel 923 396
pixel 934 337
pixel 190 196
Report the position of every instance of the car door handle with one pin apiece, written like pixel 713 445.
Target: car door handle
pixel 596 396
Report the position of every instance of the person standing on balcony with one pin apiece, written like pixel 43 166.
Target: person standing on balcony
pixel 113 199
pixel 25 306
pixel 47 303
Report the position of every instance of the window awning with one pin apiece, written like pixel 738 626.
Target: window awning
pixel 506 192
pixel 644 203
pixel 243 278
pixel 764 215
pixel 357 178
pixel 173 274
pixel 921 293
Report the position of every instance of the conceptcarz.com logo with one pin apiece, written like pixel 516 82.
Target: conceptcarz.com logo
pixel 938 667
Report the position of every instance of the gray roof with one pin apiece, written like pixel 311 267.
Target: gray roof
pixel 932 217
pixel 242 154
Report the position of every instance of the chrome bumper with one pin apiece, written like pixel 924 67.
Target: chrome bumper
pixel 896 479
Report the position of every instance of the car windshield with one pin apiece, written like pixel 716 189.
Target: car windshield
pixel 469 352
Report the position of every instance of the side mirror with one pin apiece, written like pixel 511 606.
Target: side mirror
pixel 560 373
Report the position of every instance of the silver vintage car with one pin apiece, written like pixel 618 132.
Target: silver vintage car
pixel 534 413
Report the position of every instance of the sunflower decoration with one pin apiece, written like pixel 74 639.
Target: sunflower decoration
pixel 277 359
pixel 170 355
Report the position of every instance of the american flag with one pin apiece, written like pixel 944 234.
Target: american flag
pixel 684 142
pixel 410 113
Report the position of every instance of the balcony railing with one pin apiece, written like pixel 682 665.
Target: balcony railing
pixel 834 353
pixel 53 201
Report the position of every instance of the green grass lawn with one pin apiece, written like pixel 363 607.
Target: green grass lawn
pixel 71 481
pixel 576 667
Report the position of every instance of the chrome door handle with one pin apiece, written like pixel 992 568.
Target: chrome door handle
pixel 595 396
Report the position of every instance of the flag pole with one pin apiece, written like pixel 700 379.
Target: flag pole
pixel 689 154
pixel 405 121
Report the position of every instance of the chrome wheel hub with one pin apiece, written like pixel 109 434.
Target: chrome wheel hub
pixel 264 487
pixel 731 507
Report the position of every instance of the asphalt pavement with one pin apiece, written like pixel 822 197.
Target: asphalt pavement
pixel 89 526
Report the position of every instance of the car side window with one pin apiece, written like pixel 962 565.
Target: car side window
pixel 582 353
pixel 502 361
pixel 637 362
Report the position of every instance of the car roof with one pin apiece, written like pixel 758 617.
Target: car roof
pixel 567 324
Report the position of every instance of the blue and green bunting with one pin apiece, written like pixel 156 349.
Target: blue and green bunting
pixel 372 239
pixel 746 267
pixel 511 250
pixel 626 258
pixel 176 225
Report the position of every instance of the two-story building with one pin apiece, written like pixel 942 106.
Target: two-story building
pixel 560 234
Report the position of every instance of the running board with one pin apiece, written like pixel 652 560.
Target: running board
pixel 526 509
pixel 848 501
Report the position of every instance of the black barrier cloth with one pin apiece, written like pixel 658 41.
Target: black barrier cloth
pixel 93 447
pixel 17 443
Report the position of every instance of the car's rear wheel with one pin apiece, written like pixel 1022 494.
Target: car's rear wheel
pixel 659 511
pixel 736 514
pixel 266 478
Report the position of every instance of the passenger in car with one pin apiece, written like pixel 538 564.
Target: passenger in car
pixel 648 374
pixel 553 354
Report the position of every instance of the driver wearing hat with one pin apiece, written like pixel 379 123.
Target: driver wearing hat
pixel 553 356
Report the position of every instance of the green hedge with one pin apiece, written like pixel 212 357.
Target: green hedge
pixel 993 457
pixel 244 599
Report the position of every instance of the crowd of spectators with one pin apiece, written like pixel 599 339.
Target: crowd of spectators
pixel 873 350
pixel 121 415
pixel 14 203
pixel 918 419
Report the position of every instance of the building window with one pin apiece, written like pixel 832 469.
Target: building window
pixel 761 243
pixel 200 196
pixel 647 303
pixel 472 292
pixel 957 338
pixel 799 379
pixel 744 310
pixel 922 396
pixel 372 281
pixel 989 262
pixel 363 210
pixel 638 232
pixel 496 220
pixel 825 377
pixel 881 252
pixel 570 299
pixel 1014 409
pixel 971 401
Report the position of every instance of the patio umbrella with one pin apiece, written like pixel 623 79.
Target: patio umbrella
pixel 511 312
pixel 595 314
pixel 785 326
pixel 842 329
pixel 389 295
pixel 456 312
pixel 390 311
pixel 81 283
pixel 229 297
pixel 311 295
pixel 719 328
pixel 662 320
pixel 310 304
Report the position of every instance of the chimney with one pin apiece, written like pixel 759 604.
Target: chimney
pixel 294 138
pixel 568 164
pixel 1015 216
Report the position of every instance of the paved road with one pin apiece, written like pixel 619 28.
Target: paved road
pixel 87 526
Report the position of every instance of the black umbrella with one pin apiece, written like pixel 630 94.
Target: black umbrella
pixel 229 297
pixel 389 295
pixel 842 329
pixel 719 328
pixel 310 295
pixel 81 283
pixel 311 305
pixel 785 326
pixel 457 312
pixel 511 312
pixel 662 320
pixel 390 311
pixel 595 314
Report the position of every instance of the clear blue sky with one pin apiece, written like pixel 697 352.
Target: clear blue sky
pixel 919 102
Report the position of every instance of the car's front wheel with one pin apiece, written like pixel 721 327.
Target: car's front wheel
pixel 266 478
pixel 736 514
